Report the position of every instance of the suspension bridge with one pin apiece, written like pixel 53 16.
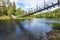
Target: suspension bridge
pixel 46 7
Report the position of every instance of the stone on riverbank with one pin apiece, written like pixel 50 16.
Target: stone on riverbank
pixel 53 35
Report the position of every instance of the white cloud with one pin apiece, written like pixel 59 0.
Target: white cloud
pixel 31 3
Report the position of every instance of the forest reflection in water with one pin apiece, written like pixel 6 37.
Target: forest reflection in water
pixel 32 27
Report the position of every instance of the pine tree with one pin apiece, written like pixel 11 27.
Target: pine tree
pixel 4 11
pixel 14 8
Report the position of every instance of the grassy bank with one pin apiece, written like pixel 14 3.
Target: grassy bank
pixel 56 26
pixel 4 17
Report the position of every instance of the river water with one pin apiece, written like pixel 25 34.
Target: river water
pixel 34 29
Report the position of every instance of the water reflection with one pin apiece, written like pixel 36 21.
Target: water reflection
pixel 34 27
pixel 6 26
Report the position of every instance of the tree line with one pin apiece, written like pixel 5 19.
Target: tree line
pixel 7 8
pixel 50 14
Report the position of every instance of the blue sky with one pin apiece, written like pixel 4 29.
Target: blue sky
pixel 28 4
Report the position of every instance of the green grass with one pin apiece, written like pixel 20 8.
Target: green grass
pixel 56 26
pixel 4 17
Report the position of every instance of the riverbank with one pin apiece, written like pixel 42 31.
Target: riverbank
pixel 4 17
pixel 53 35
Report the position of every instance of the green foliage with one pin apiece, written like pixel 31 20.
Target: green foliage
pixel 0 11
pixel 18 11
pixel 3 8
pixel 56 26
pixel 11 9
pixel 7 8
pixel 51 14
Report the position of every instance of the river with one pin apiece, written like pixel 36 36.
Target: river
pixel 34 29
